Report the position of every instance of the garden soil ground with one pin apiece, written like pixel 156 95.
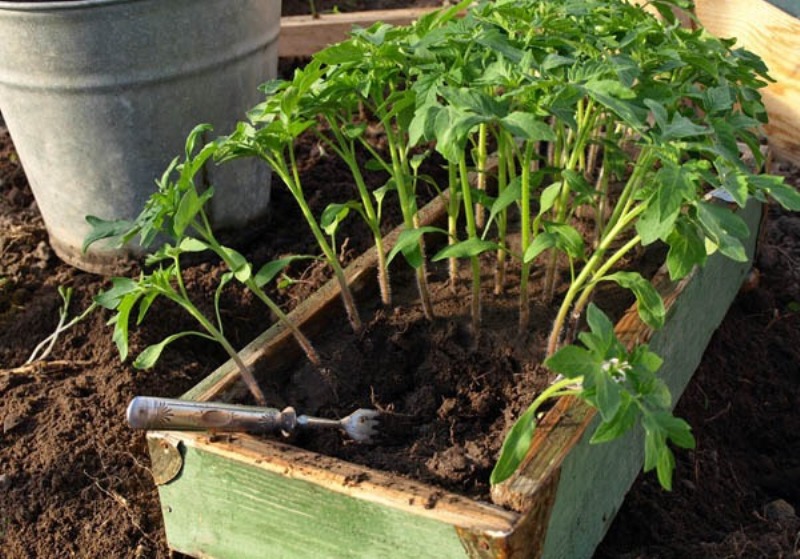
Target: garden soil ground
pixel 75 480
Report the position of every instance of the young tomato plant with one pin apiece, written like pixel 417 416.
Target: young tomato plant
pixel 177 211
pixel 271 136
pixel 167 282
pixel 622 385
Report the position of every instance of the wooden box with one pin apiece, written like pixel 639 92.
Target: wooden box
pixel 246 497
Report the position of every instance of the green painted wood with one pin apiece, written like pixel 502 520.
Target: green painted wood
pixel 595 478
pixel 221 508
pixel 791 7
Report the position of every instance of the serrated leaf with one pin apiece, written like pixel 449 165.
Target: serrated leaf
pixel 103 229
pixel 686 250
pixel 572 362
pixel 786 195
pixel 621 423
pixel 649 303
pixel 724 228
pixel 528 126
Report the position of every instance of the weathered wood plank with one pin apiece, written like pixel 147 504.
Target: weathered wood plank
pixel 235 500
pixel 305 35
pixel 773 34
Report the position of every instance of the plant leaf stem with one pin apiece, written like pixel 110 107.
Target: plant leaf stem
pixel 502 218
pixel 525 234
pixel 290 175
pixel 556 390
pixel 409 210
pixel 182 299
pixel 585 296
pixel 453 210
pixel 345 149
pixel 305 344
pixel 594 262
pixel 643 164
pixel 45 347
pixel 586 117
pixel 482 156
pixel 472 233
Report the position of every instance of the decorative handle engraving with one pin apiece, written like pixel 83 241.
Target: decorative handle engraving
pixel 146 412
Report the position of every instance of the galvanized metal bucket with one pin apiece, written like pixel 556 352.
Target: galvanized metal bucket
pixel 99 96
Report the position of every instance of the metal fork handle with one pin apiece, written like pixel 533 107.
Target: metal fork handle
pixel 145 412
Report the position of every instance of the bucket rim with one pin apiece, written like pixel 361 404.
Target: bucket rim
pixel 56 5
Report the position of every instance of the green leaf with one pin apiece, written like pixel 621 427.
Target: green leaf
pixel 190 244
pixel 540 243
pixel 334 214
pixel 686 250
pixel 786 195
pixel 121 321
pixel 149 356
pixel 682 127
pixel 649 303
pixel 573 362
pixel 144 305
pixel 619 424
pixel 408 244
pixel 567 238
pixel 548 197
pixel 515 447
pixel 238 264
pixel 724 228
pixel 577 182
pixel 190 205
pixel 270 270
pixel 103 229
pixel 196 133
pixel 673 186
pixel 602 327
pixel 120 287
pixel 607 394
pixel 465 249
pixel 528 126
pixel 510 194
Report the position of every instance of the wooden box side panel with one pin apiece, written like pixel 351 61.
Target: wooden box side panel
pixel 595 478
pixel 223 508
pixel 774 35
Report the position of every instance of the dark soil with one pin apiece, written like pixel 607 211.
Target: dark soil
pixel 74 479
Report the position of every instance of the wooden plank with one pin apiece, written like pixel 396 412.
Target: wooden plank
pixel 774 35
pixel 232 500
pixel 305 35
pixel 598 476
pixel 791 7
